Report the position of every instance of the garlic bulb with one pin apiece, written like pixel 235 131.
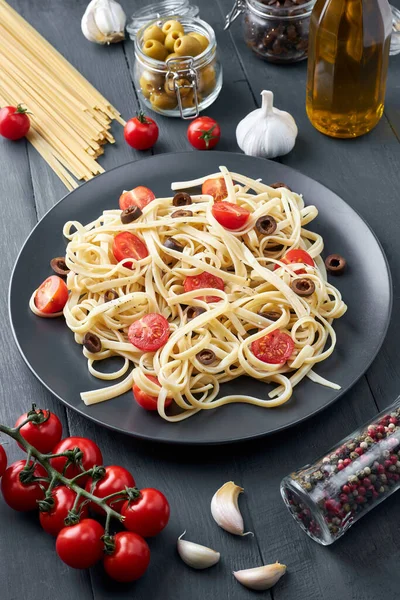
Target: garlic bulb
pixel 225 508
pixel 104 22
pixel 260 578
pixel 267 131
pixel 195 555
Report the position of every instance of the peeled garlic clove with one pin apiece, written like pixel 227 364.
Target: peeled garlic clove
pixel 260 578
pixel 195 555
pixel 104 22
pixel 225 508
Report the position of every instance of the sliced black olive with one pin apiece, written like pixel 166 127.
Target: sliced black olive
pixel 58 265
pixel 266 225
pixel 92 342
pixel 130 214
pixel 182 213
pixel 194 311
pixel 303 286
pixel 173 244
pixel 335 264
pixel 110 295
pixel 206 357
pixel 279 184
pixel 181 199
pixel 272 315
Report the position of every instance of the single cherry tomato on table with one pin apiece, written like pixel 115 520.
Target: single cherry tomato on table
pixel 296 256
pixel 91 456
pixel 127 245
pixel 204 280
pixel 149 333
pixel 44 435
pixel 3 461
pixel 229 215
pixel 145 400
pixel 52 295
pixel 215 188
pixel 140 196
pixel 22 496
pixel 115 480
pixel 130 558
pixel 204 133
pixel 14 122
pixel 148 514
pixel 52 520
pixel 274 348
pixel 81 546
pixel 141 132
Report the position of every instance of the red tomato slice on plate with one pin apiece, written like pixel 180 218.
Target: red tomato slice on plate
pixel 140 196
pixel 127 245
pixel 149 333
pixel 274 348
pixel 216 188
pixel 297 256
pixel 204 280
pixel 52 295
pixel 145 400
pixel 229 215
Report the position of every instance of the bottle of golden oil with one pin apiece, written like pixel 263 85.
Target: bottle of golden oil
pixel 347 65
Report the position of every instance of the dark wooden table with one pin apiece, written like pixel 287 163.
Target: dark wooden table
pixel 364 565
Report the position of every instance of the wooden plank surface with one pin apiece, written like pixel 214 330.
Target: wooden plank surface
pixel 363 565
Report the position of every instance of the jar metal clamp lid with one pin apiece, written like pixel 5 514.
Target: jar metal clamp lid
pixel 237 9
pixel 182 75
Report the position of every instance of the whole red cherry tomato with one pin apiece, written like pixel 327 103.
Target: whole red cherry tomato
pixel 116 480
pixel 148 514
pixel 51 295
pixel 91 456
pixel 3 461
pixel 52 520
pixel 204 133
pixel 14 122
pixel 141 132
pixel 80 546
pixel 43 436
pixel 22 496
pixel 130 558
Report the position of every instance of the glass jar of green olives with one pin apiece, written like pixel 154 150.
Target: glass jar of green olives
pixel 177 71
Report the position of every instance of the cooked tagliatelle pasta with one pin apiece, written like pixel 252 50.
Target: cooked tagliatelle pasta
pixel 258 297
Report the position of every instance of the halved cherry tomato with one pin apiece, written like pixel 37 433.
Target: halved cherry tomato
pixel 22 496
pixel 130 558
pixel 140 196
pixel 43 436
pixel 81 546
pixel 127 245
pixel 145 400
pixel 204 280
pixel 296 256
pixel 115 480
pixel 52 295
pixel 274 348
pixel 91 456
pixel 149 333
pixel 148 514
pixel 216 188
pixel 3 461
pixel 229 215
pixel 52 520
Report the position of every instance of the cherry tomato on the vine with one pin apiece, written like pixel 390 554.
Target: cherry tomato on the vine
pixel 81 546
pixel 43 436
pixel 274 348
pixel 22 496
pixel 215 188
pixel 3 461
pixel 52 520
pixel 149 333
pixel 145 400
pixel 52 295
pixel 141 132
pixel 148 514
pixel 130 558
pixel 204 280
pixel 116 480
pixel 14 122
pixel 204 133
pixel 140 196
pixel 91 456
pixel 229 215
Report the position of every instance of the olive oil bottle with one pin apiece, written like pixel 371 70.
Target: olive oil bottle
pixel 348 58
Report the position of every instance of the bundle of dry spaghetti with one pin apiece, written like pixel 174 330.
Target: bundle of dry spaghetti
pixel 70 119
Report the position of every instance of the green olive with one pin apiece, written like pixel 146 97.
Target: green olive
pixel 207 79
pixel 155 49
pixel 172 26
pixel 171 38
pixel 200 38
pixel 150 82
pixel 189 100
pixel 184 91
pixel 187 45
pixel 161 101
pixel 154 33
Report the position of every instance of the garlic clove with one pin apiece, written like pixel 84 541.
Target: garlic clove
pixel 260 578
pixel 195 555
pixel 225 509
pixel 104 22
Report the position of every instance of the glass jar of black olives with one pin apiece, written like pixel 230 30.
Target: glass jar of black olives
pixel 328 497
pixel 276 30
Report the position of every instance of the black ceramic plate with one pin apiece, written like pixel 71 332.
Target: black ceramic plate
pixel 50 351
